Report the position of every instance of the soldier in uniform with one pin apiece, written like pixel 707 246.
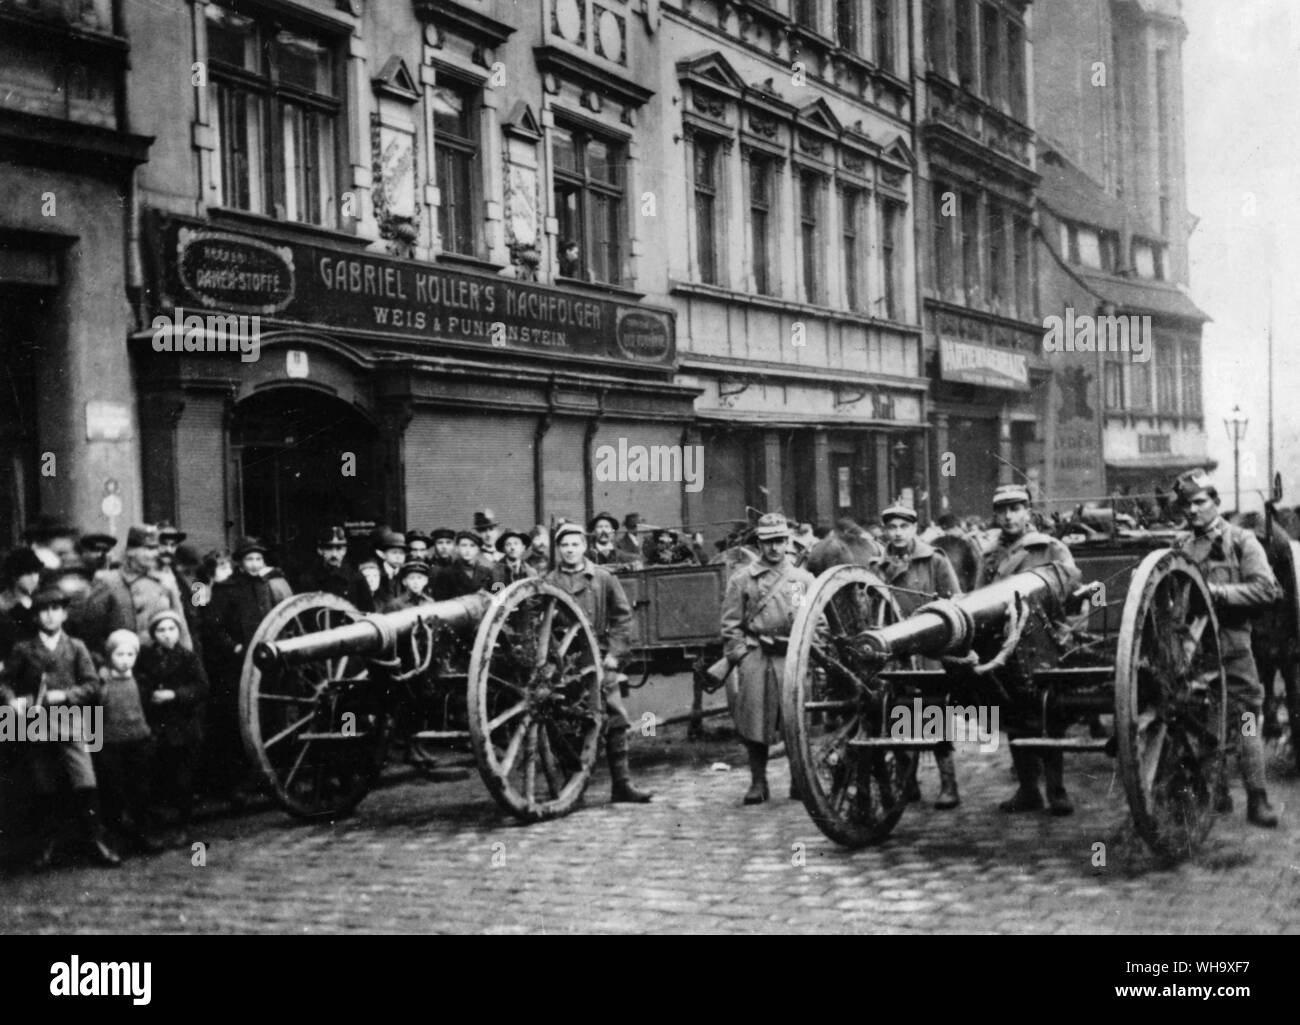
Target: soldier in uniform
pixel 333 574
pixel 601 597
pixel 919 574
pixel 1240 582
pixel 603 551
pixel 1019 549
pixel 757 613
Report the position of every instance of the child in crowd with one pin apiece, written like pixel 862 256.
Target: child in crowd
pixel 123 764
pixel 53 669
pixel 174 692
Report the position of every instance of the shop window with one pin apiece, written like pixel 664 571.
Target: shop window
pixel 455 134
pixel 883 29
pixel 276 102
pixel 706 169
pixel 891 221
pixel 760 222
pixel 589 190
pixel 846 23
pixel 810 234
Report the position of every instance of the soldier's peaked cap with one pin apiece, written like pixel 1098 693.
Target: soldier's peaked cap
pixel 1009 494
pixel 565 529
pixel 900 511
pixel 1193 482
pixel 772 526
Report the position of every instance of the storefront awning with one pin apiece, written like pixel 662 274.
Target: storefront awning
pixel 1159 464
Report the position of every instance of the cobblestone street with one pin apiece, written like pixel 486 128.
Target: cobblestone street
pixel 422 857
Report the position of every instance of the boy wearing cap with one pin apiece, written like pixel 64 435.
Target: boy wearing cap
pixel 55 669
pixel 174 692
pixel 1018 549
pixel 601 597
pixel 468 574
pixel 126 598
pixel 757 613
pixel 919 574
pixel 1240 581
pixel 513 567
pixel 332 573
pixel 414 581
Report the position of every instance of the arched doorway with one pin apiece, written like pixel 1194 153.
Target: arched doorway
pixel 306 460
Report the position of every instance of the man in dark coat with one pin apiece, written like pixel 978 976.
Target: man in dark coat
pixel 126 598
pixel 390 547
pixel 601 597
pixel 443 552
pixel 468 574
pixel 333 574
pixel 22 575
pixel 603 551
pixel 513 567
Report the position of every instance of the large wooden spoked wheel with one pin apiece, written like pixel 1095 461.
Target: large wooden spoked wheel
pixel 535 706
pixel 318 729
pixel 1170 704
pixel 832 696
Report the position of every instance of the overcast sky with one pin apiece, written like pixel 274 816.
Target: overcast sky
pixel 1241 67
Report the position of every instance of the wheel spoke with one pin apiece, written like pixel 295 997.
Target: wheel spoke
pixel 544 633
pixel 507 715
pixel 1153 745
pixel 297 763
pixel 554 781
pixel 290 729
pixel 530 764
pixel 512 750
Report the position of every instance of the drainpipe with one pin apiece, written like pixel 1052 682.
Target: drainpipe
pixel 539 437
pixel 588 463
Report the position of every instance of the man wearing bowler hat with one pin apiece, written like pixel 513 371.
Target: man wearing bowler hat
pixel 127 598
pixel 603 551
pixel 333 574
pixel 1241 584
pixel 513 546
pixel 390 547
pixel 919 574
pixel 601 597
pixel 758 611
pixel 488 531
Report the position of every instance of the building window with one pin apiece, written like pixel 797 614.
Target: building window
pixel 276 98
pixel 1113 384
pixel 810 233
pixel 1072 248
pixel 455 132
pixel 1139 386
pixel 1166 379
pixel 1148 260
pixel 846 23
pixel 1087 246
pixel 760 222
pixel 997 252
pixel 891 219
pixel 1108 242
pixel 1016 85
pixel 936 36
pixel 965 45
pixel 1024 295
pixel 1162 136
pixel 970 245
pixel 706 208
pixel 589 201
pixel 851 238
pixel 1191 379
pixel 883 26
pixel 992 69
pixel 943 256
pixel 805 13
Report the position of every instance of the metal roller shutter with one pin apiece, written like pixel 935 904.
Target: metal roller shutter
pixel 457 464
pixel 723 497
pixel 563 478
pixel 201 471
pixel 658 502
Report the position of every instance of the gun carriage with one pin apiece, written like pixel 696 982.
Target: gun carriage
pixel 1047 655
pixel 516 676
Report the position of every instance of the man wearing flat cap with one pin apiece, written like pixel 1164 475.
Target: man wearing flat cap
pixel 469 573
pixel 601 597
pixel 127 598
pixel 1241 584
pixel 919 574
pixel 758 611
pixel 333 574
pixel 94 550
pixel 443 552
pixel 1020 548
pixel 603 550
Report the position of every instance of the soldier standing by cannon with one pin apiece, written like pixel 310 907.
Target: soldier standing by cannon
pixel 1017 550
pixel 918 574
pixel 1239 579
pixel 601 597
pixel 757 613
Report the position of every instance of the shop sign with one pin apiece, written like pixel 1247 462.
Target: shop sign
pixel 973 363
pixel 107 421
pixel 363 293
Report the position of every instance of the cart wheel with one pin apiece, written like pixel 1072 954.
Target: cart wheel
pixel 535 706
pixel 832 696
pixel 1170 704
pixel 318 729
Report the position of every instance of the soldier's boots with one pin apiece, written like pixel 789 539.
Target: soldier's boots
pixel 1058 801
pixel 948 796
pixel 758 791
pixel 1259 811
pixel 1027 796
pixel 622 790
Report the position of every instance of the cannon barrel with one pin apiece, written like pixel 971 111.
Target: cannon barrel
pixel 375 635
pixel 949 626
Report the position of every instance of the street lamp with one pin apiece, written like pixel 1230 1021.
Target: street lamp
pixel 1236 427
